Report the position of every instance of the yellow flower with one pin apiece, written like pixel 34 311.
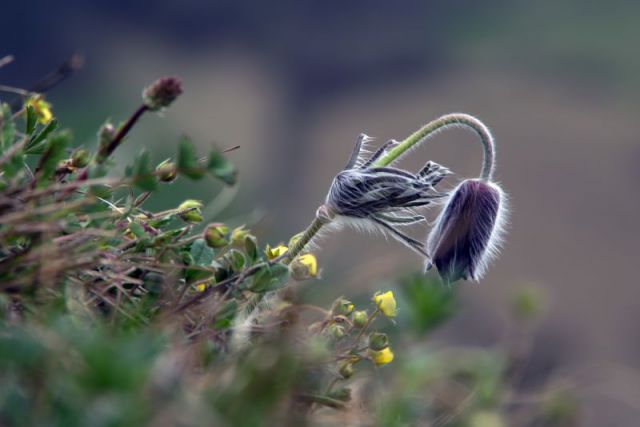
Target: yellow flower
pixel 41 107
pixel 273 253
pixel 304 267
pixel 381 357
pixel 200 287
pixel 386 303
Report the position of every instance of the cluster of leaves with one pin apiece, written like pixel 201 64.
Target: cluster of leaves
pixel 111 314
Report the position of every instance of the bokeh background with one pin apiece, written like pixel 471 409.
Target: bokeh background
pixel 294 83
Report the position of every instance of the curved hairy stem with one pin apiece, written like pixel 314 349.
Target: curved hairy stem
pixel 415 139
pixel 446 121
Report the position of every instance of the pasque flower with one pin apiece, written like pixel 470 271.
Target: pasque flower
pixel 382 198
pixel 468 231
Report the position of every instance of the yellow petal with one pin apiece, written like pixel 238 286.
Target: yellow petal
pixel 381 357
pixel 386 303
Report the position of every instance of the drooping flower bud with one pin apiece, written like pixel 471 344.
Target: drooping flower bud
pixel 467 232
pixel 162 93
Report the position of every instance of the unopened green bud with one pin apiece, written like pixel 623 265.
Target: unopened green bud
pixel 216 235
pixel 162 93
pixel 106 133
pixel 360 319
pixel 378 341
pixel 189 210
pixel 80 158
pixel 167 171
pixel 342 307
pixel 335 331
pixel 346 370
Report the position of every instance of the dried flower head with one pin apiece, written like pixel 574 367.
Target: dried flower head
pixel 468 231
pixel 162 93
pixel 382 198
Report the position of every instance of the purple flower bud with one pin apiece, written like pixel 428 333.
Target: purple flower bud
pixel 467 233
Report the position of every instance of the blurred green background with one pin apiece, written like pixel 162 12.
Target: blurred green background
pixel 294 83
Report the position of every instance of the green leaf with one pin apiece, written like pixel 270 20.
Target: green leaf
pixel 201 253
pixel 221 168
pixel 188 160
pixel 269 278
pixel 251 248
pixel 34 146
pixel 137 230
pixel 224 317
pixel 235 259
pixel 143 176
pixel 427 302
pixel 32 119
pixel 53 154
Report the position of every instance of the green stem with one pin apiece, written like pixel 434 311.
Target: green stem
pixel 415 139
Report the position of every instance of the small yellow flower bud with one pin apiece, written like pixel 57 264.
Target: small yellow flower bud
pixel 360 319
pixel 167 171
pixel 201 287
pixel 273 253
pixel 346 370
pixel 378 341
pixel 386 303
pixel 189 210
pixel 342 307
pixel 304 267
pixel 215 235
pixel 238 235
pixel 381 357
pixel 41 108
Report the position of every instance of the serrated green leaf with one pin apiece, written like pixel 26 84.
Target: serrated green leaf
pixel 221 168
pixel 269 278
pixel 188 160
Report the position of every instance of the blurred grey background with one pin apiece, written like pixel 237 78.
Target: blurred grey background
pixel 294 83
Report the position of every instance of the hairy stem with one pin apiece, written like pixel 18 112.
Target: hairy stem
pixel 415 139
